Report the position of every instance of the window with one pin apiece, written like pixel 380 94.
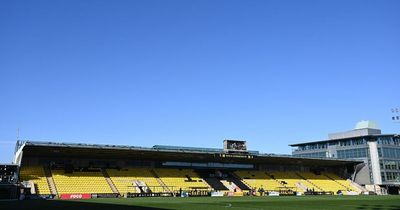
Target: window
pixel 391 152
pixel 352 153
pixel 358 141
pixel 390 165
pixel 389 175
pixel 396 141
pixel 383 176
pixel 345 143
pixel 312 155
pixel 385 140
pixel 393 176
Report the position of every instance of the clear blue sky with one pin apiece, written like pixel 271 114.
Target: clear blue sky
pixel 193 73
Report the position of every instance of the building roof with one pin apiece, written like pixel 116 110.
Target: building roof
pixel 367 124
pixel 372 137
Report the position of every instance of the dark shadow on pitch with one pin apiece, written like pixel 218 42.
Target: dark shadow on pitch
pixel 378 207
pixel 68 205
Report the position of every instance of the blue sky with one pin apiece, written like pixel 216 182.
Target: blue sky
pixel 193 73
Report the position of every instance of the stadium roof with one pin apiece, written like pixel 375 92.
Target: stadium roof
pixel 53 150
pixel 126 147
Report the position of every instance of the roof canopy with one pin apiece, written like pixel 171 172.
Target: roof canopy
pixel 51 150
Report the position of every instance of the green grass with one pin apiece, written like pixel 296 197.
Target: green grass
pixel 210 203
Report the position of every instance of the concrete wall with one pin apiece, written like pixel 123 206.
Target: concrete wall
pixel 362 176
pixel 354 133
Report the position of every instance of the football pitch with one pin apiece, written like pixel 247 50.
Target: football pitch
pixel 210 203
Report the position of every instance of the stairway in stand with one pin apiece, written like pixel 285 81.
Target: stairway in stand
pixel 277 181
pixel 215 183
pixel 50 181
pixel 109 181
pixel 308 181
pixel 164 186
pixel 239 183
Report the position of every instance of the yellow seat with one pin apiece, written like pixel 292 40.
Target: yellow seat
pixel 129 180
pixel 37 175
pixel 259 179
pixel 80 182
pixel 328 182
pixel 181 179
pixel 289 179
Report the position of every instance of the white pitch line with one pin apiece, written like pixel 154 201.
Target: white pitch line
pixel 230 206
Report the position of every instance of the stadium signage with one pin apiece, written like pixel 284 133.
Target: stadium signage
pixel 75 196
pixel 217 194
pixel 235 146
pixel 236 156
pixel 273 193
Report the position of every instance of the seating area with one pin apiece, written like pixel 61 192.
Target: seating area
pixel 37 175
pixel 133 180
pixel 185 179
pixel 163 180
pixel 341 181
pixel 325 183
pixel 290 180
pixel 258 179
pixel 275 181
pixel 80 182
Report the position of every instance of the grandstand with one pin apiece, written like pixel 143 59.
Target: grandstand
pixel 135 180
pixel 259 179
pixel 80 182
pixel 81 170
pixel 181 179
pixel 37 176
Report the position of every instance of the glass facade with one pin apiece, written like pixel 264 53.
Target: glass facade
pixel 352 142
pixel 393 176
pixel 340 143
pixel 389 162
pixel 388 147
pixel 387 152
pixel 389 140
pixel 312 147
pixel 352 153
pixel 312 155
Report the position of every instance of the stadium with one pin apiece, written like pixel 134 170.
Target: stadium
pixel 175 177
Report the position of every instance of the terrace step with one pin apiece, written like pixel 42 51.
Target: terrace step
pixel 337 182
pixel 50 180
pixel 357 186
pixel 109 181
pixel 163 185
pixel 279 182
pixel 215 183
pixel 237 180
pixel 299 175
